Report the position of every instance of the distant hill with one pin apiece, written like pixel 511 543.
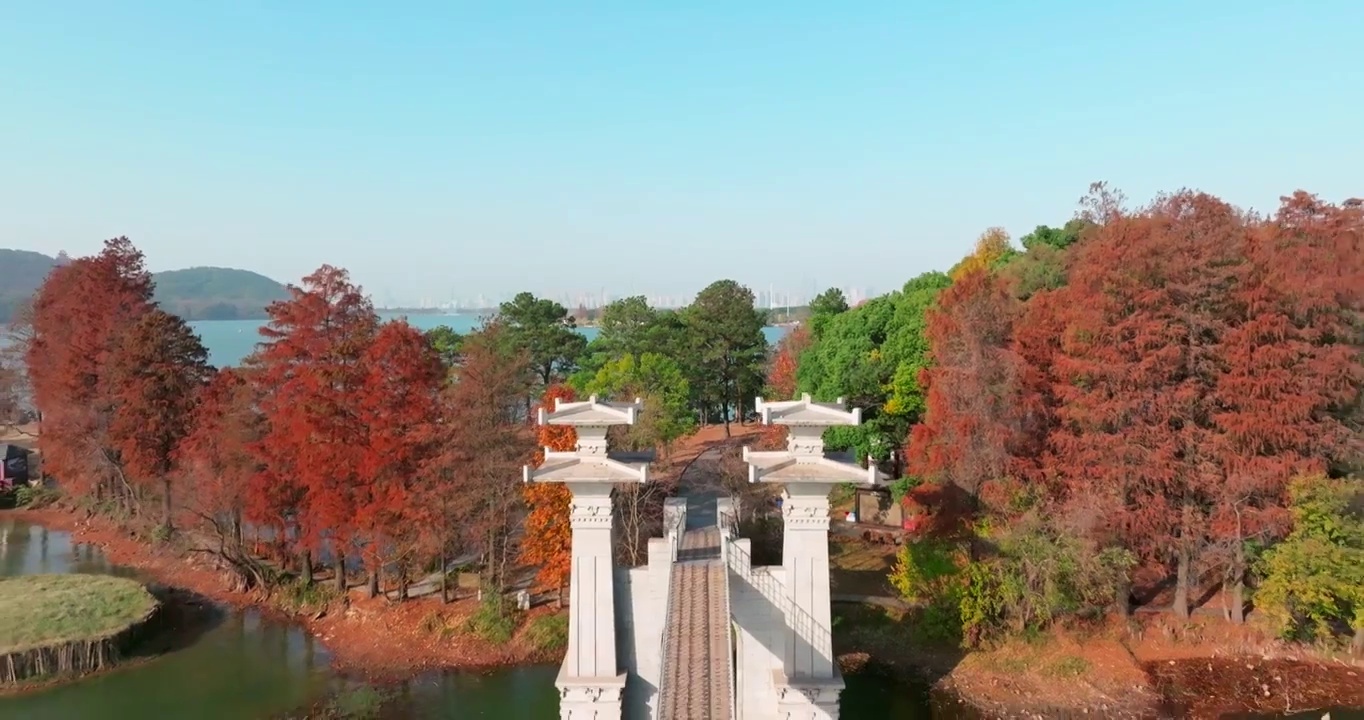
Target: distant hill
pixel 198 293
pixel 21 272
pixel 212 293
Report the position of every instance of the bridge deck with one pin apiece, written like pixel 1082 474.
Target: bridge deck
pixel 697 658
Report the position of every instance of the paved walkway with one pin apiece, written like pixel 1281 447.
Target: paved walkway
pixel 697 661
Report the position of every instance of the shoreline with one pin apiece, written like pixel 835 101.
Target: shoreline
pixel 382 641
pixel 375 639
pixel 1154 668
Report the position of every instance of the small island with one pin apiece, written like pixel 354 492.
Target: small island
pixel 52 625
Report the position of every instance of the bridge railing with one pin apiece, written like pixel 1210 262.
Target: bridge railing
pixel 726 516
pixel 674 523
pixel 739 560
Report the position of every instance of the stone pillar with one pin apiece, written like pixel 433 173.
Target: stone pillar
pixel 594 653
pixel 590 682
pixel 805 558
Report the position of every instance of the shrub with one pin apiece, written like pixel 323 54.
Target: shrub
pixel 298 596
pixel 1314 580
pixel 1035 577
pixel 928 573
pixel 495 619
pixel 34 497
pixel 549 633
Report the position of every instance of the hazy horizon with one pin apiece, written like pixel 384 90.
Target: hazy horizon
pixel 440 152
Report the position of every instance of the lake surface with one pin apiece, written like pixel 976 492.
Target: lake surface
pixel 228 341
pixel 246 667
pixel 243 667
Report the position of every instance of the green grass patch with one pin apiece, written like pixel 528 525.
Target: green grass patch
pixel 495 619
pixel 1069 666
pixel 41 610
pixel 549 632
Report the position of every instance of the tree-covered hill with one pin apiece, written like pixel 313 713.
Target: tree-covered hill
pixel 21 272
pixel 198 293
pixel 212 293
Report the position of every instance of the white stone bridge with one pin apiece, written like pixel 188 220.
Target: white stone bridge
pixel 700 633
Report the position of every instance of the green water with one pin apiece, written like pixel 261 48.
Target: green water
pixel 242 667
pixel 245 667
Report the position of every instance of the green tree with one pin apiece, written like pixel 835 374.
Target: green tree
pixel 872 355
pixel 660 383
pixel 1058 238
pixel 626 324
pixel 825 306
pixel 545 330
pixel 726 334
pixel 1314 579
pixel 447 343
pixel 906 348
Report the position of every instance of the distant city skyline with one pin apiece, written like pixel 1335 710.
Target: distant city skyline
pixel 769 297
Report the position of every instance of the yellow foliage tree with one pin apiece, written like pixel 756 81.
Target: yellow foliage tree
pixel 992 246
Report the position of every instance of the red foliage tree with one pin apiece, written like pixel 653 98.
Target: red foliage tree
pixel 216 466
pixel 781 369
pixel 312 373
pixel 781 379
pixel 154 376
pixel 1149 300
pixel 1291 364
pixel 78 315
pixel 548 537
pixel 398 399
pixel 1037 341
pixel 976 412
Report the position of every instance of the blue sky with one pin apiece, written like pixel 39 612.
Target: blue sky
pixel 439 148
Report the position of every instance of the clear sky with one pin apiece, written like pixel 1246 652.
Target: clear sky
pixel 439 148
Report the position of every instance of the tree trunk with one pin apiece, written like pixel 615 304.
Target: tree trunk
pixel 724 410
pixel 1357 645
pixel 444 578
pixel 166 505
pixel 305 562
pixel 1238 584
pixel 1122 597
pixel 1181 605
pixel 237 530
pixel 340 573
pixel 373 584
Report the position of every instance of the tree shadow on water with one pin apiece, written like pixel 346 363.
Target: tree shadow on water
pixel 184 618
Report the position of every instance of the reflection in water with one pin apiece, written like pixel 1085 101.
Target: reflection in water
pixel 242 667
pixel 245 666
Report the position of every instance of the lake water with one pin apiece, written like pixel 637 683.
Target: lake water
pixel 228 341
pixel 246 667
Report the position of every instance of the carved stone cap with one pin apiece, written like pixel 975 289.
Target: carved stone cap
pixel 805 691
pixel 591 412
pixel 607 690
pixel 807 412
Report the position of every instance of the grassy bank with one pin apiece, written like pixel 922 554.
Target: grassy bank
pixel 38 610
pixel 68 624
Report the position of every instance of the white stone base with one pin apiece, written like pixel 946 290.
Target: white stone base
pixel 590 698
pixel 807 698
